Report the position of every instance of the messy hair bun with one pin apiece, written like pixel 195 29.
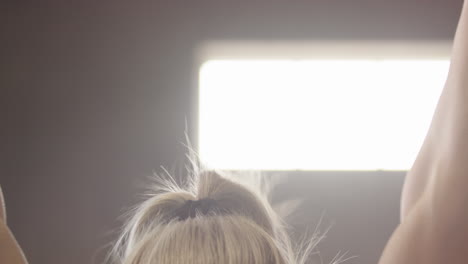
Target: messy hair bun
pixel 212 220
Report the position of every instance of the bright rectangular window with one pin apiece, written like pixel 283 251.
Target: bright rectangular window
pixel 316 114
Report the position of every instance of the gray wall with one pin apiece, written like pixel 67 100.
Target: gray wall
pixel 94 95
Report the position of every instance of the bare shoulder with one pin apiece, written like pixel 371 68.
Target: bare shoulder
pixel 10 252
pixel 423 238
pixel 434 225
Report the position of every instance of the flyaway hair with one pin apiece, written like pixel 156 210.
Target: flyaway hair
pixel 212 219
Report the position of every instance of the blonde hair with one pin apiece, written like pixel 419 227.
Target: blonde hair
pixel 236 225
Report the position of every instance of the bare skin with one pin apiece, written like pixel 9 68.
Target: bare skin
pixel 10 252
pixel 434 215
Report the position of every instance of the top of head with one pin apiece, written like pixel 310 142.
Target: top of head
pixel 221 221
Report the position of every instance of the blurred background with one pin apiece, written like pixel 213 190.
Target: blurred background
pixel 96 95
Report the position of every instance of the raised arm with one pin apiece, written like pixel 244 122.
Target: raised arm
pixel 434 227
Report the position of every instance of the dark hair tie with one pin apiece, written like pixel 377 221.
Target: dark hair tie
pixel 191 208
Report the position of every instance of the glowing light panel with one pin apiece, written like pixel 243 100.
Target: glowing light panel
pixel 316 114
